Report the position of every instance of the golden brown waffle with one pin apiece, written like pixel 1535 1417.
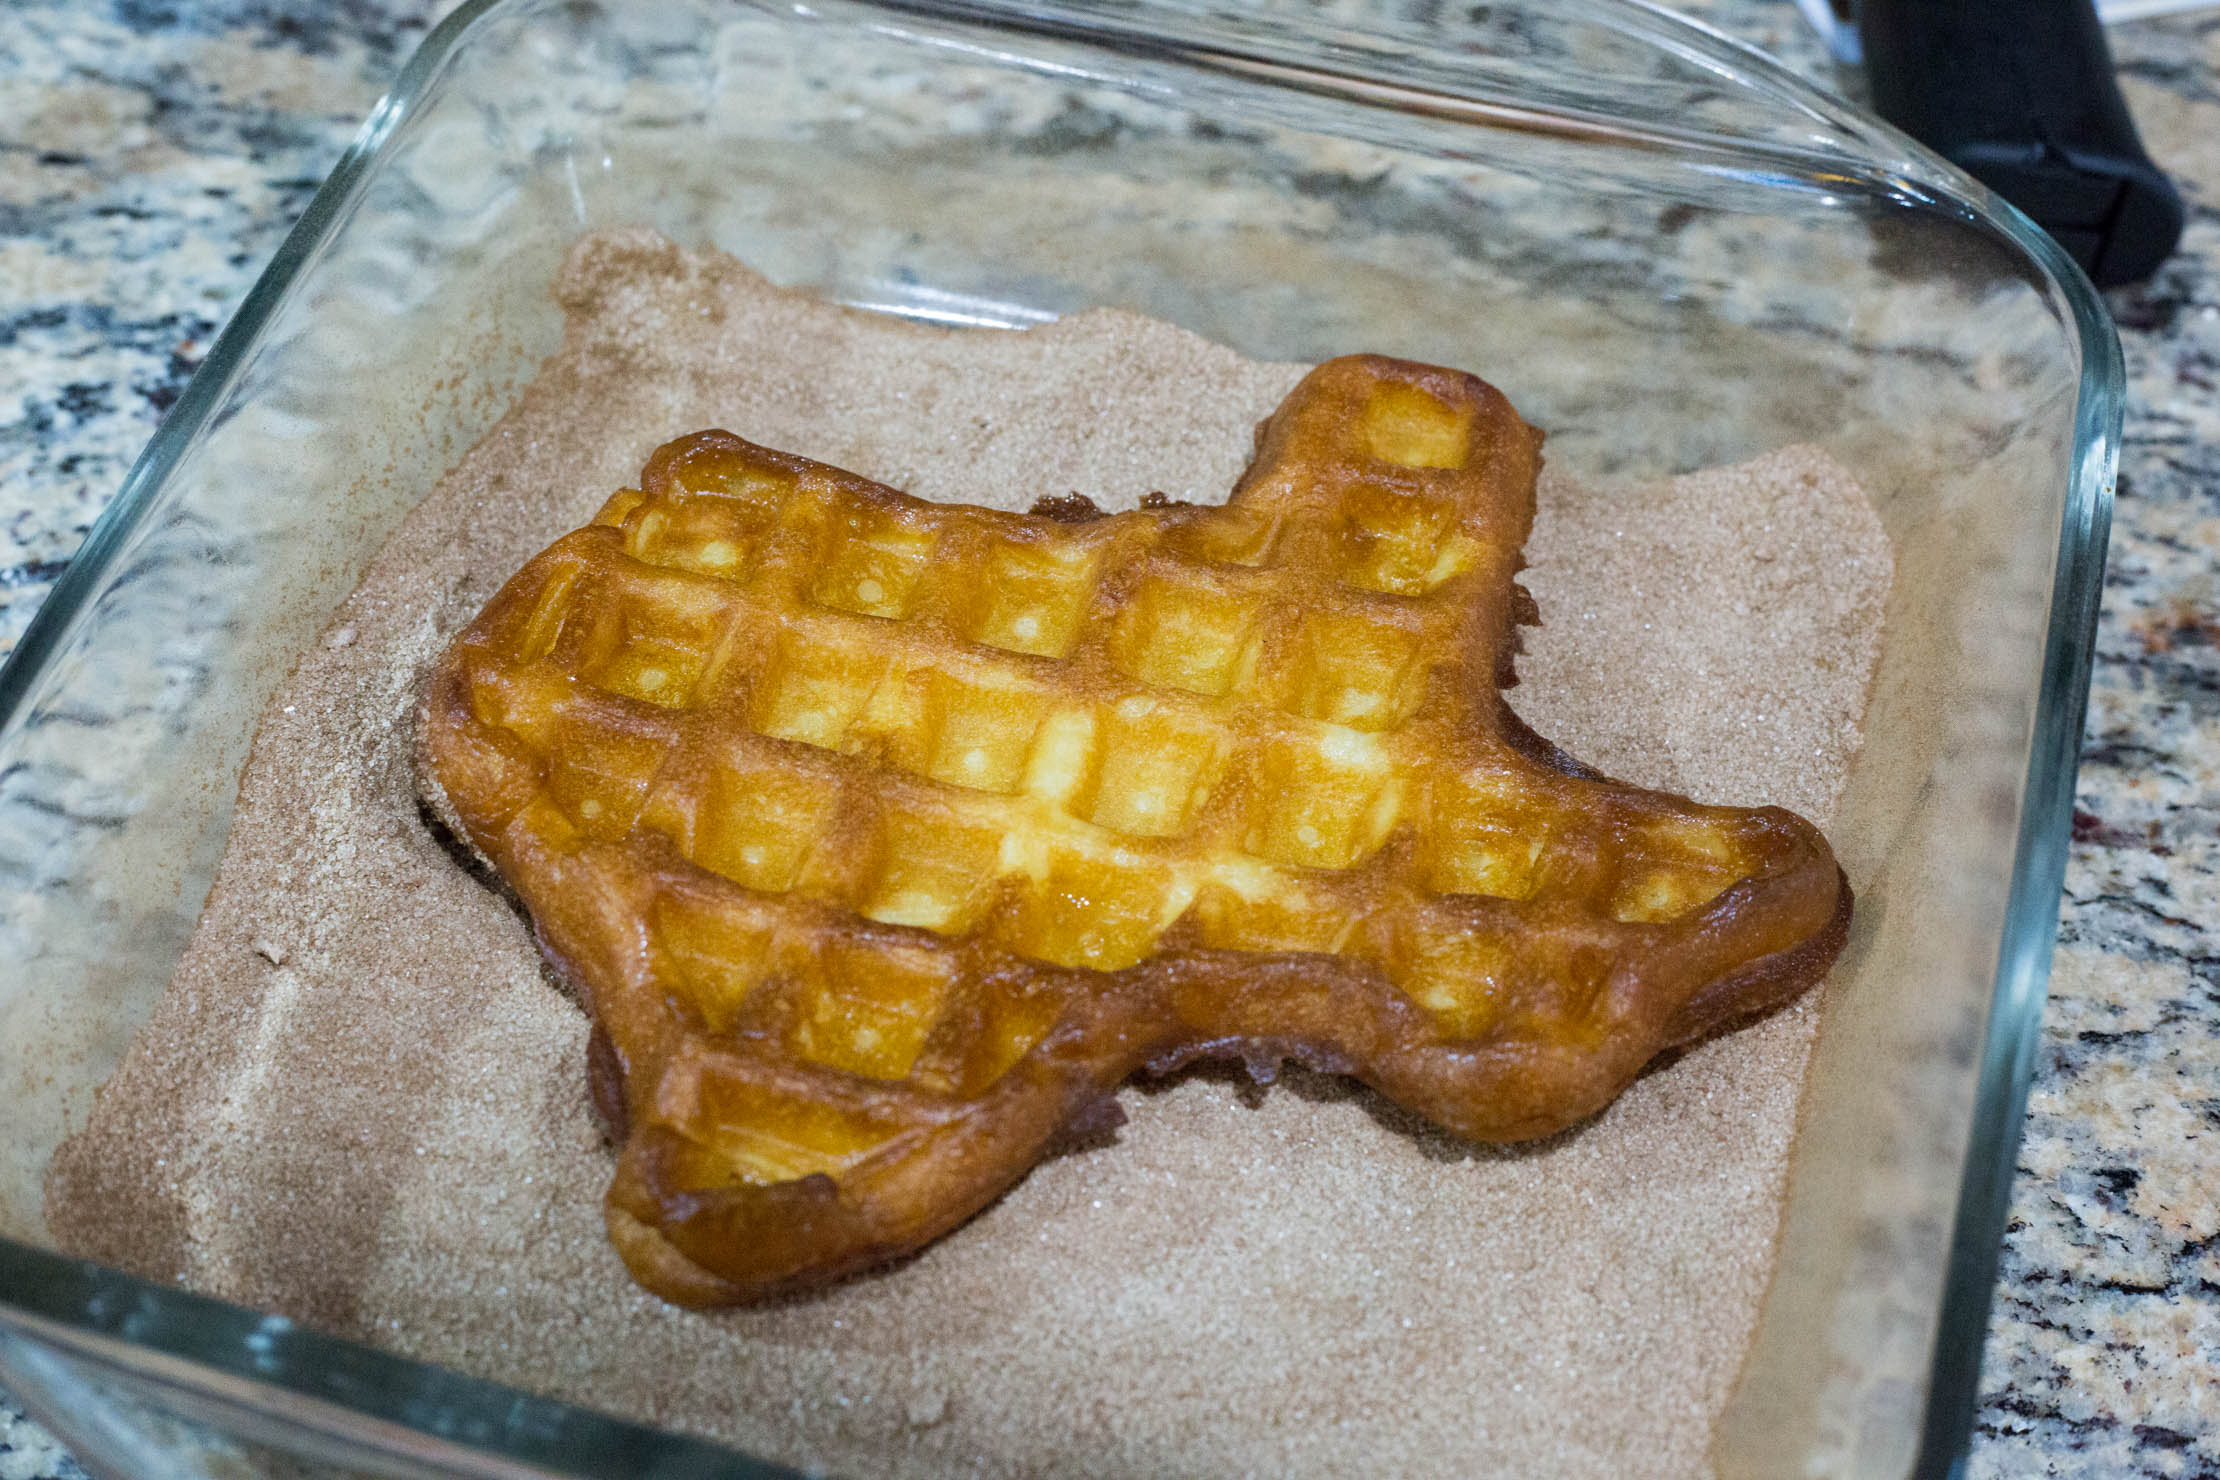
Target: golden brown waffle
pixel 884 839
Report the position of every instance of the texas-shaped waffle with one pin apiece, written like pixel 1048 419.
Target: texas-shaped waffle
pixel 883 839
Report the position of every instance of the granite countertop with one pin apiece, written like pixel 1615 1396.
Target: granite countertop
pixel 154 152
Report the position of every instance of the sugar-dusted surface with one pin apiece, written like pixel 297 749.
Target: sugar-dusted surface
pixel 1302 1280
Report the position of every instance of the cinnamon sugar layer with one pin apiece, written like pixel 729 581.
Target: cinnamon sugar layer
pixel 362 1102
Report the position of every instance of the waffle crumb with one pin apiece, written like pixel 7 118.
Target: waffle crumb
pixel 387 1138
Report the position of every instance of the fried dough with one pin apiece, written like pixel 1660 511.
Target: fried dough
pixel 884 839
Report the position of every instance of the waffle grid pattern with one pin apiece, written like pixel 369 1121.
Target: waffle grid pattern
pixel 884 782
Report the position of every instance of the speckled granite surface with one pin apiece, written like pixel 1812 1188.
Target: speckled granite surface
pixel 2104 1351
pixel 28 1452
pixel 153 154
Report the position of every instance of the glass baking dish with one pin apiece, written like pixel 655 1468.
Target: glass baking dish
pixel 1669 252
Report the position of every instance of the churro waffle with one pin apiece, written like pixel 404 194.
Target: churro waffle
pixel 883 839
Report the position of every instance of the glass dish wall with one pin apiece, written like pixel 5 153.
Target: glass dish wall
pixel 1665 251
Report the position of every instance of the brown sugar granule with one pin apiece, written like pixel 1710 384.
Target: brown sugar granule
pixel 362 1102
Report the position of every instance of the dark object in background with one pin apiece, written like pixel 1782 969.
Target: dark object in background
pixel 2020 95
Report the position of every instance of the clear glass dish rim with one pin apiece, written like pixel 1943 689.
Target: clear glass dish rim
pixel 232 1357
